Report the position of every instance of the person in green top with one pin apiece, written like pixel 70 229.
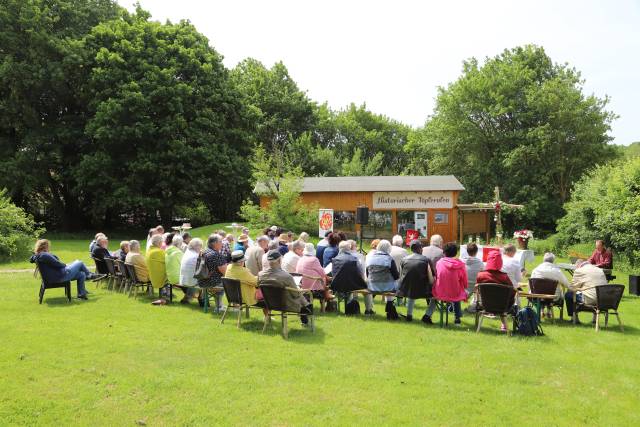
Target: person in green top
pixel 173 258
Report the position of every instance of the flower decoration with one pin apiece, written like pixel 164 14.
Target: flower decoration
pixel 523 234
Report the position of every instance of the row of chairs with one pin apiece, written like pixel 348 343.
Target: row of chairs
pixel 497 300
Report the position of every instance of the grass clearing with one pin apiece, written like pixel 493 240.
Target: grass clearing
pixel 118 361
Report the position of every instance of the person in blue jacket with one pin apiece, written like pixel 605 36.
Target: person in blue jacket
pixel 53 270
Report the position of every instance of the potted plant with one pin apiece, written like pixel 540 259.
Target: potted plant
pixel 523 236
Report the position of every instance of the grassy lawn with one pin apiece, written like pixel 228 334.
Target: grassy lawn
pixel 119 361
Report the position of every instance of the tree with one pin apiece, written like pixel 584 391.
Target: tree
pixel 521 122
pixel 281 182
pixel 166 127
pixel 18 230
pixel 605 204
pixel 42 116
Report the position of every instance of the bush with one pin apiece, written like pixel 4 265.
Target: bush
pixel 198 214
pixel 18 230
pixel 605 204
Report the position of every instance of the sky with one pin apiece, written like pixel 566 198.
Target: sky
pixel 393 55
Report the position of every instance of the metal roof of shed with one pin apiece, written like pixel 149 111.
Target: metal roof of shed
pixel 378 183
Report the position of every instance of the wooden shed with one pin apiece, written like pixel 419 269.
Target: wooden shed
pixel 396 203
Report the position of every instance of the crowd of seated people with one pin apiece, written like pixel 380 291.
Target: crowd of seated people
pixel 433 273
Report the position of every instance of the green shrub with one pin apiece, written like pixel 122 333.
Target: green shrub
pixel 198 214
pixel 18 230
pixel 605 204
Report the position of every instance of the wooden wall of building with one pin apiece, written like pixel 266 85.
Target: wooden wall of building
pixel 349 200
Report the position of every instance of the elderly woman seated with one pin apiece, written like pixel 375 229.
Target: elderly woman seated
pixel 291 258
pixel 156 265
pixel 188 269
pixel 313 275
pixel 382 273
pixel 248 282
pixel 173 259
pixel 135 258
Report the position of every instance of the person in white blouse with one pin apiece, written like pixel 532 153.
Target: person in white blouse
pixel 512 266
pixel 291 258
pixel 188 268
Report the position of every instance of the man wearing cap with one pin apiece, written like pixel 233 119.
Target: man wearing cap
pixel 277 277
pixel 248 282
pixel 416 278
pixel 255 253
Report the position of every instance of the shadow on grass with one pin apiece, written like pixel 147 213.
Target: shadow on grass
pixel 62 301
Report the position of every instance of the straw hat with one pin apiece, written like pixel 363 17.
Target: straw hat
pixel 243 238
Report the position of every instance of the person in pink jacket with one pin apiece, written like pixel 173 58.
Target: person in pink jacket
pixel 309 265
pixel 451 282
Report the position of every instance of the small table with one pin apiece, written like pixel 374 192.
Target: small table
pixel 567 267
pixel 536 300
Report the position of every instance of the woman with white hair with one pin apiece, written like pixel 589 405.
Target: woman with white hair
pixel 382 273
pixel 173 258
pixel 291 258
pixel 304 237
pixel 188 269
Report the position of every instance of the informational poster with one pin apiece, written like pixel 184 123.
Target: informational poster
pixel 420 220
pixel 325 221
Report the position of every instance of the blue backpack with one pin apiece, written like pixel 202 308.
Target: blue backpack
pixel 527 323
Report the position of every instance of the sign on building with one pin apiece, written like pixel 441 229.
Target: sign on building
pixel 413 200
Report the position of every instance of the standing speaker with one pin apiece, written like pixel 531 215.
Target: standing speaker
pixel 634 285
pixel 362 215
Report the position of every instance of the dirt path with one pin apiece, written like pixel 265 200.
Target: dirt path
pixel 24 270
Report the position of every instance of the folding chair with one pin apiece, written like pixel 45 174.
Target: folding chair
pixel 275 300
pixel 135 283
pixel 48 285
pixel 233 291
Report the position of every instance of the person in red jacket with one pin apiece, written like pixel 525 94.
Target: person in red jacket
pixel 601 256
pixel 492 274
pixel 451 282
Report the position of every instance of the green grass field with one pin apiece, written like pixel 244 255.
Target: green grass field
pixel 115 360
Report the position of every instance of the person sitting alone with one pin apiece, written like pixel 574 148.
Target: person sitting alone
pixel 493 274
pixel 53 270
pixel 382 273
pixel 451 282
pixel 275 276
pixel 291 258
pixel 586 278
pixel 248 282
pixel 548 270
pixel 100 252
pixel 601 256
pixel 416 278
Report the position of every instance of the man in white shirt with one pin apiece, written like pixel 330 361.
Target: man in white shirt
pixel 511 266
pixel 397 251
pixel 585 279
pixel 548 270
pixel 434 250
pixel 291 258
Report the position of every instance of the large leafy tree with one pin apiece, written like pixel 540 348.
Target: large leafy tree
pixel 166 127
pixel 42 114
pixel 521 122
